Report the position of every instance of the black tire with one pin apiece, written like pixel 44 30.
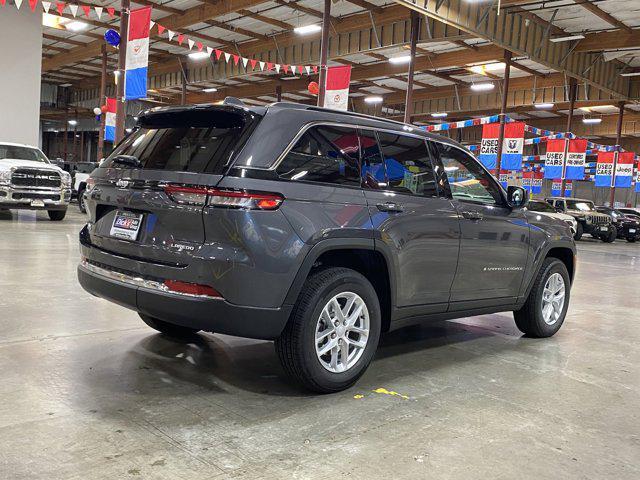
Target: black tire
pixel 631 239
pixel 296 346
pixel 579 231
pixel 529 318
pixel 81 200
pixel 610 236
pixel 57 215
pixel 169 329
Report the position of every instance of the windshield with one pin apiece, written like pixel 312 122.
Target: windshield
pixel 541 207
pixel 186 141
pixel 580 205
pixel 17 152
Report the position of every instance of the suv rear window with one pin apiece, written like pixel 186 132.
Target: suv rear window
pixel 200 141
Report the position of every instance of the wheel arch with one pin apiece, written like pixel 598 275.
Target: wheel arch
pixel 357 254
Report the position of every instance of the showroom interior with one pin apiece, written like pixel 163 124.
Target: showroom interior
pixel 107 373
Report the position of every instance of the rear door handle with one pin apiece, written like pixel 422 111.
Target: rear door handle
pixel 471 215
pixel 390 207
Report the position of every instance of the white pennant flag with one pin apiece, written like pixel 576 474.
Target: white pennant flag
pixel 262 66
pixel 171 34
pixel 46 6
pixel 209 51
pixel 18 3
pixel 99 12
pixel 151 24
pixel 293 69
pixel 191 43
pixel 74 10
pixel 277 68
pixel 227 56
pixel 244 62
pixel 308 69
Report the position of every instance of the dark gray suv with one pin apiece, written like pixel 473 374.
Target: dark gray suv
pixel 314 228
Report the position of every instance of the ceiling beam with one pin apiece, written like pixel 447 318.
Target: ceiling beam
pixel 265 19
pixel 366 5
pixel 596 42
pixel 610 19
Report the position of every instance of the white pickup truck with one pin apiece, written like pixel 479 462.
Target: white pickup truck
pixel 80 172
pixel 29 181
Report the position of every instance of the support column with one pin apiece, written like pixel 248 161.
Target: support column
pixel 103 100
pixel 324 51
pixel 503 108
pixel 121 110
pixel 65 140
pixel 612 194
pixel 415 31
pixel 573 93
pixel 183 91
pixel 279 93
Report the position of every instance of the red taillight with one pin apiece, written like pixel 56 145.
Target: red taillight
pixel 191 288
pixel 223 198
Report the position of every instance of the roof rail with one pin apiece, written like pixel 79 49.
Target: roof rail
pixel 233 101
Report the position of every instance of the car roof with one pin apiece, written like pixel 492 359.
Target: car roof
pixel 11 144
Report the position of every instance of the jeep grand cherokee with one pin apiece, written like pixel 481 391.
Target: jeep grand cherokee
pixel 314 228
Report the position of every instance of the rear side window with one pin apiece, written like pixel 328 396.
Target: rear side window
pixel 407 164
pixel 190 141
pixel 326 154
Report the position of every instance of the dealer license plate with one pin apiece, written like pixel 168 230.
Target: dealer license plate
pixel 37 203
pixel 632 230
pixel 604 229
pixel 126 225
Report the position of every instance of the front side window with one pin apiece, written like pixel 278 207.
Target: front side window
pixel 407 164
pixel 325 154
pixel 580 205
pixel 541 207
pixel 467 179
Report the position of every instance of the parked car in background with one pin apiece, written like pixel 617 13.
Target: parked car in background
pixel 29 181
pixel 631 211
pixel 596 224
pixel 627 226
pixel 350 226
pixel 80 172
pixel 543 208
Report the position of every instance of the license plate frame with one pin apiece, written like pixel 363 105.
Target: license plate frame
pixel 126 225
pixel 604 229
pixel 37 203
pixel 632 230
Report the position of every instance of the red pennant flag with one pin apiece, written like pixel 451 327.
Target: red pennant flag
pixel 111 11
pixel 269 65
pixel 32 5
pixel 60 8
pixel 160 29
pixel 253 63
pixel 199 45
pixel 180 38
pixel 236 59
pixel 315 69
pixel 218 54
pixel 2 2
pixel 86 9
pixel 285 67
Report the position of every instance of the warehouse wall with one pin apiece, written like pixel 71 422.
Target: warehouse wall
pixel 21 56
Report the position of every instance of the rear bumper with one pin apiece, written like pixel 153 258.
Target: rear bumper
pixel 208 314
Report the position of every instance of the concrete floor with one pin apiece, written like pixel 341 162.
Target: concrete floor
pixel 89 392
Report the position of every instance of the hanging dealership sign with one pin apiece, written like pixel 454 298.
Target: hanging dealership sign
pixel 135 85
pixel 554 160
pixel 556 188
pixel 536 185
pixel 512 146
pixel 624 170
pixel 504 178
pixel 604 169
pixel 337 87
pixel 110 120
pixel 576 157
pixel 638 177
pixel 568 187
pixel 527 181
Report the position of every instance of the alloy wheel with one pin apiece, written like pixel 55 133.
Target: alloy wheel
pixel 553 297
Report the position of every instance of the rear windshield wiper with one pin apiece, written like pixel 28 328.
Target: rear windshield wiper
pixel 127 160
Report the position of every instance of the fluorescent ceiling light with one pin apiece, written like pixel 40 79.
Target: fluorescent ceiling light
pixel 294 77
pixel 402 59
pixel 630 74
pixel 567 38
pixel 210 90
pixel 373 99
pixel 198 55
pixel 439 115
pixel 489 67
pixel 73 122
pixel 76 26
pixel 482 87
pixel 591 121
pixel 543 105
pixel 307 29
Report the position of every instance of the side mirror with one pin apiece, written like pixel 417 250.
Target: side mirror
pixel 517 197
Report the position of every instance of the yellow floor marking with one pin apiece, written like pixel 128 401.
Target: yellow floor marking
pixel 358 396
pixel 390 392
